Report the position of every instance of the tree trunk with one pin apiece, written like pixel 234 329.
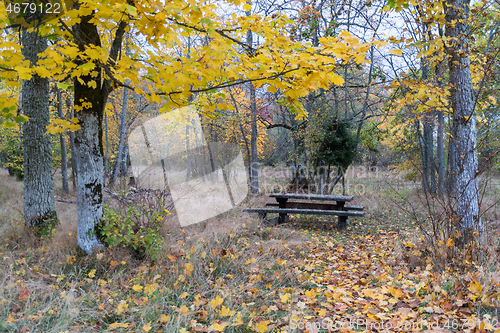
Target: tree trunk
pixel 247 146
pixel 451 171
pixel 254 180
pixel 106 157
pixel 121 144
pixel 440 136
pixel 464 121
pixel 88 143
pixel 440 153
pixel 427 138
pixel 74 170
pixel 123 164
pixel 429 153
pixel 62 140
pixel 38 202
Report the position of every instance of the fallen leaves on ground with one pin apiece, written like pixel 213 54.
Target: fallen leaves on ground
pixel 350 282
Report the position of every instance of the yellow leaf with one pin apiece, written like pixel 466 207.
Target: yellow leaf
pixel 184 310
pixel 184 295
pixel 225 312
pixel 262 326
pixel 146 327
pixel 118 325
pixel 131 10
pixel 122 306
pixel 137 287
pixel 92 84
pixel 475 288
pixel 396 52
pixel 150 288
pixel 189 269
pixel 449 243
pixel 238 320
pixel 247 7
pixel 92 273
pixel 218 327
pixel 164 318
pixel 216 302
pixel 310 294
pixel 284 298
pixel 397 293
pixel 272 89
pixel 337 80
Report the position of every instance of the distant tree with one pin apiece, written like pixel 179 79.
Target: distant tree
pixel 336 150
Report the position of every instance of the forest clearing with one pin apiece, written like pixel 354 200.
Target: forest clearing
pixel 232 274
pixel 140 139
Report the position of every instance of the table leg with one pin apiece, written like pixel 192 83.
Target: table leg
pixel 342 223
pixel 262 216
pixel 282 204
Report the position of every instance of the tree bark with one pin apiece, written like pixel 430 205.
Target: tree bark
pixel 464 121
pixel 254 180
pixel 62 140
pixel 440 135
pixel 38 201
pixel 74 170
pixel 121 143
pixel 88 142
pixel 440 153
pixel 106 158
pixel 427 139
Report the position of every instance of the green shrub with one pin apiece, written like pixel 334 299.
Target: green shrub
pixel 137 228
pixel 11 154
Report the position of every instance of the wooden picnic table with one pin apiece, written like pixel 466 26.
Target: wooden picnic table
pixel 329 205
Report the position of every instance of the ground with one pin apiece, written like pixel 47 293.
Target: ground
pixel 232 274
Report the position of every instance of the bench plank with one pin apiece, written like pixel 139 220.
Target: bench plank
pixel 337 198
pixel 303 211
pixel 359 208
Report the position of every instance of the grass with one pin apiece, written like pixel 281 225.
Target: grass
pixel 232 274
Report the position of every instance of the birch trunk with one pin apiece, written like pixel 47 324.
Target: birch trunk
pixel 464 120
pixel 38 201
pixel 62 140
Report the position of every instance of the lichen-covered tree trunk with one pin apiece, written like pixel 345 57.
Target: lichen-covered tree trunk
pixel 88 143
pixel 62 140
pixel 464 120
pixel 38 201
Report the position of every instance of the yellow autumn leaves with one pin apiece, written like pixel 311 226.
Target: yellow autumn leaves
pixel 295 70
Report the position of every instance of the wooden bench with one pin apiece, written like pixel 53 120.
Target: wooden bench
pixel 283 207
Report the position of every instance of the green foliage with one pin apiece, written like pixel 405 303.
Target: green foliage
pixel 11 152
pixel 338 145
pixel 137 228
pixel 45 226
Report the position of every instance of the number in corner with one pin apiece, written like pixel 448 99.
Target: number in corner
pixel 32 12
